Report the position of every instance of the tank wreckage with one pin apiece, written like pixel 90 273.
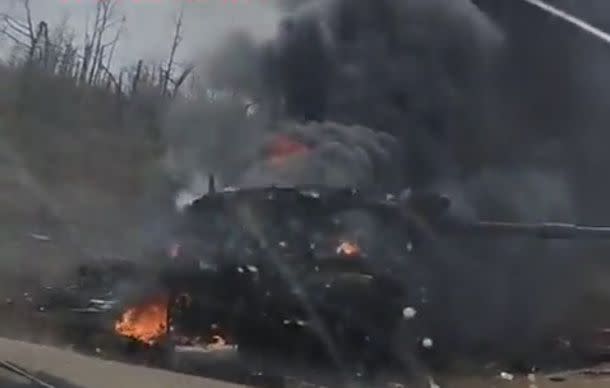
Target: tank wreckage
pixel 306 272
pixel 286 270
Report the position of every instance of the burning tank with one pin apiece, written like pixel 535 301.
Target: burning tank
pixel 283 270
pixel 310 272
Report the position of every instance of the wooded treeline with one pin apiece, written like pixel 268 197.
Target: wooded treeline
pixel 56 50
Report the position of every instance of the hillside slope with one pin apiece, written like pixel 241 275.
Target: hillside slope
pixel 78 171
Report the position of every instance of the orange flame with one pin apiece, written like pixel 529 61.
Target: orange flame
pixel 146 323
pixel 284 147
pixel 348 249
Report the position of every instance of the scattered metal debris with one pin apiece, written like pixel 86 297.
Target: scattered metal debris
pixel 409 312
pixel 427 343
pixel 40 237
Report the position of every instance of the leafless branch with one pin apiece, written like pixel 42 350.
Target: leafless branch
pixel 28 14
pixel 114 42
pixel 175 44
pixel 13 38
pixel 15 24
pixel 104 14
pixel 182 78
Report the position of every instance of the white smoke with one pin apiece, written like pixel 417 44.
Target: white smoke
pixel 188 195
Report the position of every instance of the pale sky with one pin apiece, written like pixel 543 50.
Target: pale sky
pixel 150 23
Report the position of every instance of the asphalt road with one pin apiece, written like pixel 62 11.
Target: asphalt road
pixel 87 372
pixel 67 369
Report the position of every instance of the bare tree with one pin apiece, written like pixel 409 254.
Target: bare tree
pixel 42 32
pixel 114 42
pixel 61 50
pixel 57 53
pixel 183 77
pixel 21 31
pixel 68 61
pixel 94 45
pixel 104 11
pixel 136 78
pixel 90 39
pixel 85 61
pixel 172 55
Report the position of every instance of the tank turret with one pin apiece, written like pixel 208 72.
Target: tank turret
pixel 302 266
pixel 419 211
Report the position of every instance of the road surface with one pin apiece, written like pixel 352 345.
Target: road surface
pixel 88 372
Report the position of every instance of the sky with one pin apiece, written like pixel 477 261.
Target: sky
pixel 150 23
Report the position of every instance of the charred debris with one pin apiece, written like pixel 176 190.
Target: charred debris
pixel 308 273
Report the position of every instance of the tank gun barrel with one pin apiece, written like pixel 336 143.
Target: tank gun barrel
pixel 546 230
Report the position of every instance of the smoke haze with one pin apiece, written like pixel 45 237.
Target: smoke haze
pixel 499 105
pixel 492 101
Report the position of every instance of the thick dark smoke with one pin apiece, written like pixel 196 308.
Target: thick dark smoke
pixel 407 68
pixel 337 155
pixel 416 70
pixel 495 103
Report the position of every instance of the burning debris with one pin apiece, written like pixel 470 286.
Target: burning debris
pixel 147 323
pixel 347 248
